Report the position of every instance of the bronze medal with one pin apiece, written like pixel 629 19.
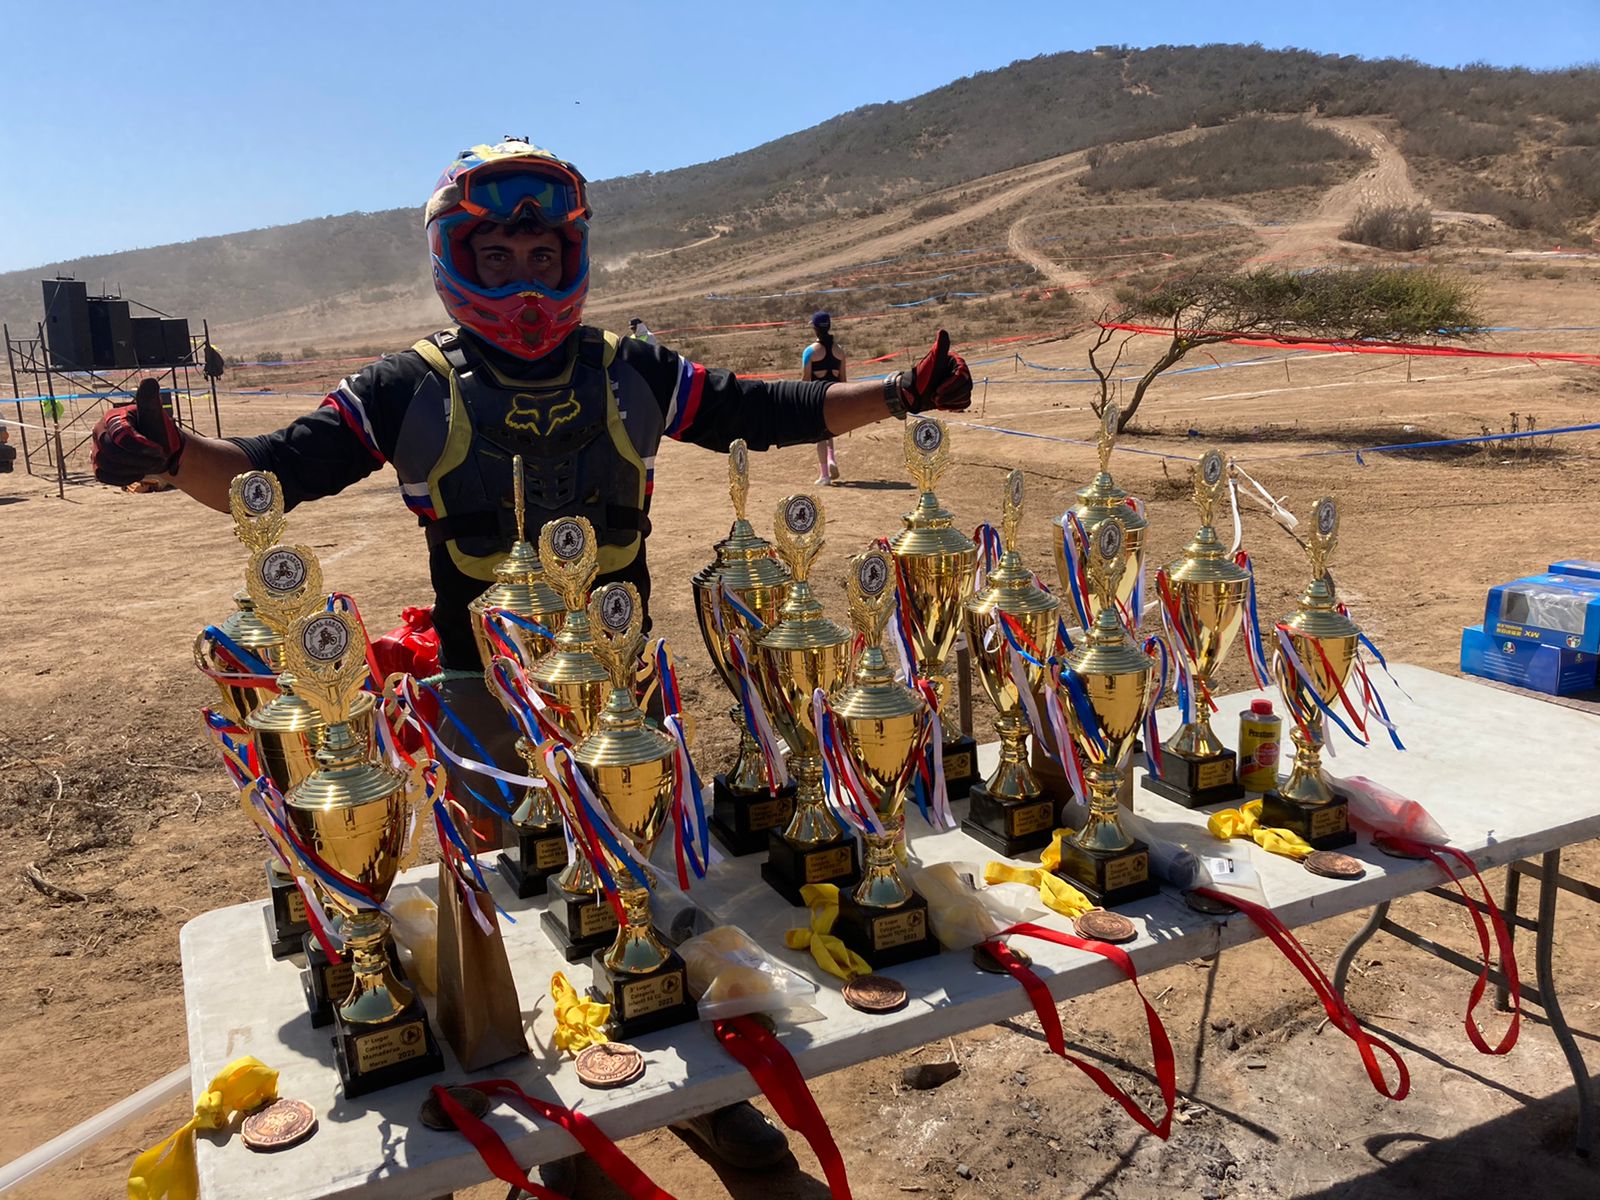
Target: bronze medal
pixel 1333 865
pixel 1099 925
pixel 874 994
pixel 1207 905
pixel 609 1065
pixel 985 961
pixel 279 1125
pixel 434 1116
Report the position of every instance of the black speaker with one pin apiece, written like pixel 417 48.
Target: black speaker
pixel 149 343
pixel 66 324
pixel 111 334
pixel 175 336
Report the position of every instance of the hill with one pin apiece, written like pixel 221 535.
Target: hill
pixel 1514 143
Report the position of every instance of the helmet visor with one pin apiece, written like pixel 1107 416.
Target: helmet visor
pixel 546 190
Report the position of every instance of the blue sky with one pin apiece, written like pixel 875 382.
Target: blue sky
pixel 139 124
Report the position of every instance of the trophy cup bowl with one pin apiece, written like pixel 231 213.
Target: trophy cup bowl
pixel 802 652
pixel 1116 681
pixel 937 564
pixel 519 587
pixel 573 684
pixel 630 767
pixel 884 727
pixel 355 815
pixel 1009 812
pixel 1325 640
pixel 744 809
pixel 1211 592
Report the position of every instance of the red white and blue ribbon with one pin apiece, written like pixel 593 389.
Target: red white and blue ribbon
pixel 237 745
pixel 990 550
pixel 399 691
pixel 271 804
pixel 932 794
pixel 597 836
pixel 755 716
pixel 903 630
pixel 1066 749
pixel 248 668
pixel 1083 713
pixel 1137 615
pixel 693 831
pixel 1074 544
pixel 848 794
pixel 1252 631
pixel 1020 648
pixel 507 641
pixel 1156 647
pixel 1296 687
pixel 343 602
pixel 1189 689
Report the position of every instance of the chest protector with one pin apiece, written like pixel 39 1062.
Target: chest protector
pixel 584 453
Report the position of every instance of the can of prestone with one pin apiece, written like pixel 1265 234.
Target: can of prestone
pixel 1260 737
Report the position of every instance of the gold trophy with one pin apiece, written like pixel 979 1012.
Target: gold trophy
pixel 1211 593
pixel 804 651
pixel 356 815
pixel 1008 812
pixel 572 682
pixel 884 728
pixel 937 565
pixel 631 768
pixel 744 810
pixel 1325 641
pixel 256 501
pixel 1102 499
pixel 520 589
pixel 1103 716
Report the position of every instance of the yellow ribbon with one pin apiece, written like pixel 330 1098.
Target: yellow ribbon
pixel 832 955
pixel 1054 892
pixel 1245 822
pixel 167 1170
pixel 579 1022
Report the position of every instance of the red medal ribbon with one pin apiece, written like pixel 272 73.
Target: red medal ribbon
pixel 619 1168
pixel 1050 1021
pixel 1345 1021
pixel 759 1051
pixel 1502 939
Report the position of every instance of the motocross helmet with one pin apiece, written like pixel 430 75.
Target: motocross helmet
pixel 510 182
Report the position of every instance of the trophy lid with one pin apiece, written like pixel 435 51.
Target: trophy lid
pixel 744 558
pixel 289 713
pixel 1011 584
pixel 519 583
pixel 801 623
pixel 1103 495
pixel 620 738
pixel 250 631
pixel 1205 560
pixel 873 694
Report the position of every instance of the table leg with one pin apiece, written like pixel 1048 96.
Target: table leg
pixel 1544 949
pixel 1341 970
pixel 1508 910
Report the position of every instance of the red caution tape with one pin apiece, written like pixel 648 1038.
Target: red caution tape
pixel 1348 347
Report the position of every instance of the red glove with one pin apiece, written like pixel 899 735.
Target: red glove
pixel 134 440
pixel 941 380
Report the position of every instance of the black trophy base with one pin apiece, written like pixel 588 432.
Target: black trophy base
pixel 886 937
pixel 960 767
pixel 576 927
pixel 540 853
pixel 1009 827
pixel 741 821
pixel 371 1057
pixel 1324 826
pixel 325 982
pixel 642 1004
pixel 789 867
pixel 286 914
pixel 1197 782
pixel 1108 880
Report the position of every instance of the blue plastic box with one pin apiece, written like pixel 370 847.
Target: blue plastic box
pixel 1582 567
pixel 1556 610
pixel 1554 670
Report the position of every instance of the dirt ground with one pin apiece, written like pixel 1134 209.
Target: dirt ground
pixel 108 790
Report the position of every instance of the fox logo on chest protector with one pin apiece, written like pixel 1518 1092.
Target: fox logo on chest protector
pixel 542 415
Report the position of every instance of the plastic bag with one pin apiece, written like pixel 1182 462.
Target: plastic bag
pixel 1204 861
pixel 1375 807
pixel 730 975
pixel 416 931
pixel 961 913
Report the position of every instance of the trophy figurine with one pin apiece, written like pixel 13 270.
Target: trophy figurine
pixel 1008 812
pixel 1325 642
pixel 520 589
pixel 1209 593
pixel 355 815
pixel 884 728
pixel 744 809
pixel 631 768
pixel 573 683
pixel 936 565
pixel 1102 499
pixel 804 651
pixel 1103 716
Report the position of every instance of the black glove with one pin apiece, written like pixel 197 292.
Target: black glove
pixel 134 440
pixel 941 380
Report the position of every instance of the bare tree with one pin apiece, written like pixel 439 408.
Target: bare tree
pixel 1384 304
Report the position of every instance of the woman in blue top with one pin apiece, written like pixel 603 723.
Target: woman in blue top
pixel 823 361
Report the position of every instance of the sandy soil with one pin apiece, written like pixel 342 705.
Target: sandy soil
pixel 107 788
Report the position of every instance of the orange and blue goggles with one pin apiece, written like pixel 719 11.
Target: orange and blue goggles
pixel 546 190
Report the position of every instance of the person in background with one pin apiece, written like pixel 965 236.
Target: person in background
pixel 823 361
pixel 637 328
